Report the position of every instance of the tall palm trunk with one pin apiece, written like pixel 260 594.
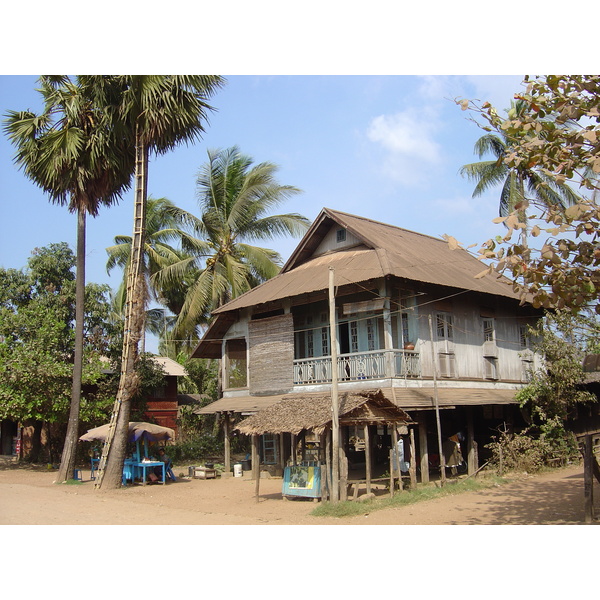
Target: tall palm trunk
pixel 67 462
pixel 114 450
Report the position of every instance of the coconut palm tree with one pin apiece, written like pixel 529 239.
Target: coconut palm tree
pixel 70 152
pixel 519 185
pixel 158 112
pixel 163 226
pixel 235 198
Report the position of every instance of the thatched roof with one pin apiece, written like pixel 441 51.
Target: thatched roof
pixel 296 414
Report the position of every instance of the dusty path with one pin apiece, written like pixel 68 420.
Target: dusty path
pixel 29 497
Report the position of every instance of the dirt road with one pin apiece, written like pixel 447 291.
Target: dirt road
pixel 29 497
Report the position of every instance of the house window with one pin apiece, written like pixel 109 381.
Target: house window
pixel 353 336
pixel 526 369
pixel 405 334
pixel 325 341
pixel 444 326
pixel 310 344
pixel 371 334
pixel 524 338
pixel 269 449
pixel 340 236
pixel 159 392
pixel 236 364
pixel 447 363
pixel 490 367
pixel 488 330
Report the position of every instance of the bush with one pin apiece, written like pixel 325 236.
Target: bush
pixel 518 452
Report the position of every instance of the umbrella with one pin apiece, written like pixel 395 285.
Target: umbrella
pixel 137 430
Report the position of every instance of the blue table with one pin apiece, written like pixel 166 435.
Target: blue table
pixel 143 466
pixel 133 469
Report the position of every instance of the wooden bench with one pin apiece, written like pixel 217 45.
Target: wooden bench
pixel 355 484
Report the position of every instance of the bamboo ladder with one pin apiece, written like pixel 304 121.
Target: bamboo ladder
pixel 133 277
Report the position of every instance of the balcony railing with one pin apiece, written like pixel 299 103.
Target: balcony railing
pixel 358 366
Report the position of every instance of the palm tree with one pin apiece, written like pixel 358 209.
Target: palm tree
pixel 163 226
pixel 70 152
pixel 235 198
pixel 159 112
pixel 519 185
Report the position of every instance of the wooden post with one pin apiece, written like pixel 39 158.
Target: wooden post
pixel 437 408
pixel 227 444
pixel 255 465
pixel 424 452
pixel 588 479
pixel 391 473
pixel 396 456
pixel 343 483
pixel 328 462
pixel 367 458
pixel 412 469
pixel 335 425
pixel 293 441
pixel 471 445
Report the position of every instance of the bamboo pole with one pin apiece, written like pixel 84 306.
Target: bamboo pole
pixel 227 443
pixel 423 449
pixel 437 408
pixel 391 473
pixel 368 458
pixel 255 466
pixel 335 425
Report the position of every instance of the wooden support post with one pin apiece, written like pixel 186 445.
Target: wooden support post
pixel 343 472
pixel 281 461
pixel 255 465
pixel 227 444
pixel 437 407
pixel 412 469
pixel 588 479
pixel 335 424
pixel 424 452
pixel 391 473
pixel 328 462
pixel 293 438
pixel 396 457
pixel 471 444
pixel 367 458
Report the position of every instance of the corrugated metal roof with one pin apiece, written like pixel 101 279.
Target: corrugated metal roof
pixel 170 366
pixel 387 250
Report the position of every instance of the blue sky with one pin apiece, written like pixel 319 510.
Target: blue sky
pixel 384 147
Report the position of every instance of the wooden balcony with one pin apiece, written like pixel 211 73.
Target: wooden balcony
pixel 376 364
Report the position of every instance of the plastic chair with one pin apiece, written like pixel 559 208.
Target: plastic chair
pixel 169 471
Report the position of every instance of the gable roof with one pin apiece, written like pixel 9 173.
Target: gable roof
pixel 384 250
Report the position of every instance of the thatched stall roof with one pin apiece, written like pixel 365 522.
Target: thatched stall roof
pixel 298 413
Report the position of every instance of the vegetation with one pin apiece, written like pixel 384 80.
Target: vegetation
pixel 557 133
pixel 350 508
pixel 235 198
pixel 518 183
pixel 75 157
pixel 37 342
pixel 551 396
pixel 155 113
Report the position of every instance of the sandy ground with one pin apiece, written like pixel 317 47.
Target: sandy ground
pixel 29 497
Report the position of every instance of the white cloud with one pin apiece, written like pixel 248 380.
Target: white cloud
pixel 408 137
